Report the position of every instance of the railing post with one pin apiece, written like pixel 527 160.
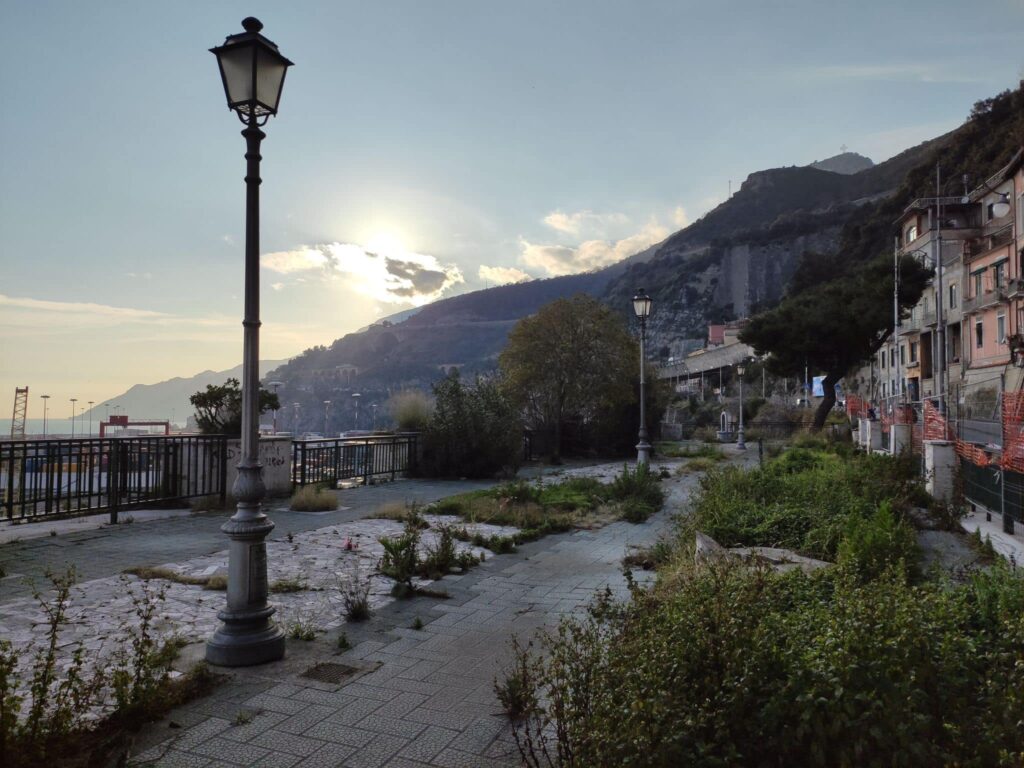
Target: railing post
pixel 223 452
pixel 302 465
pixel 113 480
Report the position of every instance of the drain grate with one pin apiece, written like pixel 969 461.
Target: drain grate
pixel 331 673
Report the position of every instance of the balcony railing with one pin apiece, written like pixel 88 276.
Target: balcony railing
pixel 990 241
pixel 988 298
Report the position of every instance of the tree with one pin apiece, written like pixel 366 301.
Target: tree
pixel 474 430
pixel 568 364
pixel 219 407
pixel 834 322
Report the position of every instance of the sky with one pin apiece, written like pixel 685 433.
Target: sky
pixel 423 148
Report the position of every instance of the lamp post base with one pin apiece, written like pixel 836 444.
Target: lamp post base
pixel 245 643
pixel 740 444
pixel 248 636
pixel 643 453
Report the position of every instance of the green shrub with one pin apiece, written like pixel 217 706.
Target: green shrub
pixel 441 556
pixel 310 498
pixel 400 559
pixel 575 494
pixel 741 666
pixel 474 431
pixel 636 510
pixel 640 484
pixel 872 545
pixel 410 410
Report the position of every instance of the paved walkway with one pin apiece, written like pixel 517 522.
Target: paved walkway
pixel 109 550
pixel 412 697
pixel 423 697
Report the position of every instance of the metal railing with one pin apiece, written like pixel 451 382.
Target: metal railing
pixel 347 458
pixel 51 478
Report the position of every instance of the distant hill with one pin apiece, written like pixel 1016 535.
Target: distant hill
pixel 168 399
pixel 846 163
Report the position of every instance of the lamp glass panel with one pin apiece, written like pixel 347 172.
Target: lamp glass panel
pixel 642 306
pixel 1000 207
pixel 270 73
pixel 236 62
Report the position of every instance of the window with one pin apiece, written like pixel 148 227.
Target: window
pixel 913 351
pixel 1001 329
pixel 999 273
pixel 979 333
pixel 977 281
pixel 911 235
pixel 952 295
pixel 903 355
pixel 882 361
pixel 883 389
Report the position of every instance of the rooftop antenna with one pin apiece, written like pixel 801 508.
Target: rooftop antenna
pixel 730 189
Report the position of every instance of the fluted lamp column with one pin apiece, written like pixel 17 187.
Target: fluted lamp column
pixel 252 70
pixel 642 309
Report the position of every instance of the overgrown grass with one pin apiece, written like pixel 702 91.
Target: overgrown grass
pixel 725 662
pixel 802 500
pixel 311 498
pixel 217 581
pixel 691 451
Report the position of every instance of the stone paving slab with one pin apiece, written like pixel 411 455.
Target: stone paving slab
pixel 431 702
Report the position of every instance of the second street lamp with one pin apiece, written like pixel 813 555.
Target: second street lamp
pixel 642 309
pixel 252 71
pixel 740 444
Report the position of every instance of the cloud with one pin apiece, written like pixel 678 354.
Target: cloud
pixel 590 254
pixel 81 307
pixel 390 274
pixel 679 217
pixel 586 222
pixel 502 275
pixel 277 286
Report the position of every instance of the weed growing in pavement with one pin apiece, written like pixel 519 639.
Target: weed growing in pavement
pixel 355 594
pixel 343 643
pixel 243 717
pixel 301 629
pixel 417 623
pixel 60 724
pixel 285 586
pixel 311 498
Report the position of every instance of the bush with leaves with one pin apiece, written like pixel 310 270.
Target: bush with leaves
pixel 219 407
pixel 474 431
pixel 410 410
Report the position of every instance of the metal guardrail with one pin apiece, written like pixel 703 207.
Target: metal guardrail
pixel 347 458
pixel 58 478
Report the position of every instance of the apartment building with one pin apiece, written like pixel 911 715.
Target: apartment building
pixel 976 314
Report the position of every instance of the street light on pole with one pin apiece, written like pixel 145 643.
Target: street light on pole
pixel 252 71
pixel 741 369
pixel 275 385
pixel 73 401
pixel 355 399
pixel 373 408
pixel 45 399
pixel 91 404
pixel 642 308
pixel 327 413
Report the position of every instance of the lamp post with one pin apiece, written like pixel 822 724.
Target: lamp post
pixel 91 404
pixel 355 399
pixel 741 368
pixel 327 413
pixel 73 401
pixel 252 71
pixel 295 424
pixel 642 308
pixel 275 385
pixel 373 409
pixel 45 398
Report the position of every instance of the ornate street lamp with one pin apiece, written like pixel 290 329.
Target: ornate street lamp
pixel 741 368
pixel 275 385
pixel 355 400
pixel 642 308
pixel 252 70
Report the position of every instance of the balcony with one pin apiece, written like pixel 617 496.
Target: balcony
pixel 989 298
pixel 989 242
pixel 1014 287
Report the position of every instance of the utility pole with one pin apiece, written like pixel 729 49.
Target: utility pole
pixel 940 322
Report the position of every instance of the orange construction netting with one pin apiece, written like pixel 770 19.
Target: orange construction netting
pixel 1013 431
